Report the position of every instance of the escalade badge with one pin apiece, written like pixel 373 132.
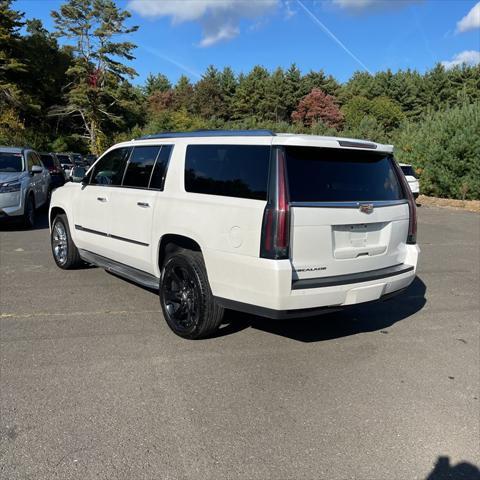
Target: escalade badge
pixel 366 207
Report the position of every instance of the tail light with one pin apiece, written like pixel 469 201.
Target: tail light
pixel 275 241
pixel 412 206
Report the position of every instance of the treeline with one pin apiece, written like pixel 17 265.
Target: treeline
pixel 81 97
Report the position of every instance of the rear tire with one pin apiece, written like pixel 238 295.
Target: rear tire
pixel 28 219
pixel 64 251
pixel 188 305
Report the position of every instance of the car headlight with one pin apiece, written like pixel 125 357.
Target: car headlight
pixel 10 187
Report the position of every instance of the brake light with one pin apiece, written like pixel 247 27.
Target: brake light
pixel 412 206
pixel 275 240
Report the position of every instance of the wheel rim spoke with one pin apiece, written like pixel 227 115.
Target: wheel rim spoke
pixel 180 297
pixel 59 242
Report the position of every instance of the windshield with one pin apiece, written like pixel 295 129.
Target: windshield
pixel 11 162
pixel 408 170
pixel 338 175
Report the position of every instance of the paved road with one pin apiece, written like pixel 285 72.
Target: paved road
pixel 94 385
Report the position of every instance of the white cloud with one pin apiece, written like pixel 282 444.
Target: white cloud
pixel 469 57
pixel 360 6
pixel 471 20
pixel 220 19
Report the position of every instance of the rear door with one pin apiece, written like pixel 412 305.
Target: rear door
pixel 133 205
pixel 349 211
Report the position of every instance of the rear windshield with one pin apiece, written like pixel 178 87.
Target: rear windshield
pixel 338 175
pixel 11 162
pixel 64 159
pixel 408 170
pixel 47 160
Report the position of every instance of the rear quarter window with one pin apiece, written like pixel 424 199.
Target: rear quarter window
pixel 341 175
pixel 228 170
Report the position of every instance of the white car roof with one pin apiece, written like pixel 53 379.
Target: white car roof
pixel 258 137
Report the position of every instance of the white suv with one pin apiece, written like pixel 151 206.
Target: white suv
pixel 25 184
pixel 277 225
pixel 412 179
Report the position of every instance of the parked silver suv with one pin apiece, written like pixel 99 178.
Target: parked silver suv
pixel 24 184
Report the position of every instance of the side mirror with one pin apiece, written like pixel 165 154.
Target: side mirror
pixel 36 169
pixel 85 181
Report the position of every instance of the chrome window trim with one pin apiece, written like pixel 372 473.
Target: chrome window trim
pixel 375 203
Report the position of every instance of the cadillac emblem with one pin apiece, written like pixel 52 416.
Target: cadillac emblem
pixel 366 207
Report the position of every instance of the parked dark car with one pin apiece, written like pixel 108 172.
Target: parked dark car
pixel 90 159
pixel 54 166
pixel 66 162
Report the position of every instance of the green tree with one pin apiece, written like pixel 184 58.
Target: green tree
pixel 97 68
pixel 445 147
pixel 208 101
pixel 386 112
pixel 293 89
pixel 183 94
pixel 250 96
pixel 157 83
pixel 11 57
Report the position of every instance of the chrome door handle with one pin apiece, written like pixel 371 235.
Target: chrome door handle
pixel 143 204
pixel 102 199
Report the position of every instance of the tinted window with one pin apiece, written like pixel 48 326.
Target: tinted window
pixel 31 160
pixel 228 170
pixel 140 166
pixel 408 170
pixel 109 169
pixel 335 175
pixel 160 170
pixel 11 162
pixel 64 159
pixel 47 160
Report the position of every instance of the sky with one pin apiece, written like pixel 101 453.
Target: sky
pixel 184 37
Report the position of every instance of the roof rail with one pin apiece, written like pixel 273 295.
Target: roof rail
pixel 210 133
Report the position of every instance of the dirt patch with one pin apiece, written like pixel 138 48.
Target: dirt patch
pixel 469 205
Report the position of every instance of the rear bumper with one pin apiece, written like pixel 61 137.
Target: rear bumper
pixel 284 314
pixel 266 288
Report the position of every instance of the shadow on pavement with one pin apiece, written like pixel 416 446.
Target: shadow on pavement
pixel 461 471
pixel 369 317
pixel 15 225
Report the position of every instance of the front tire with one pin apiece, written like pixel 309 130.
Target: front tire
pixel 187 302
pixel 64 251
pixel 28 219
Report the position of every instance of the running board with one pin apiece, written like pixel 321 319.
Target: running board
pixel 137 276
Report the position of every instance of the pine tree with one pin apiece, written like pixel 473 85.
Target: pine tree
pixel 157 83
pixel 208 96
pixel 11 61
pixel 96 71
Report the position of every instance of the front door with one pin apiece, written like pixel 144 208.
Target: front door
pixel 93 208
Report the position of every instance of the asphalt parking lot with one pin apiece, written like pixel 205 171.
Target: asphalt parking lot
pixel 94 385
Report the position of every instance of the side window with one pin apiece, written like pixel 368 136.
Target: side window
pixel 160 170
pixel 109 169
pixel 36 160
pixel 228 170
pixel 140 165
pixel 30 161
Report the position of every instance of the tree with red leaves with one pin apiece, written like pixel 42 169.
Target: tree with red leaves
pixel 316 107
